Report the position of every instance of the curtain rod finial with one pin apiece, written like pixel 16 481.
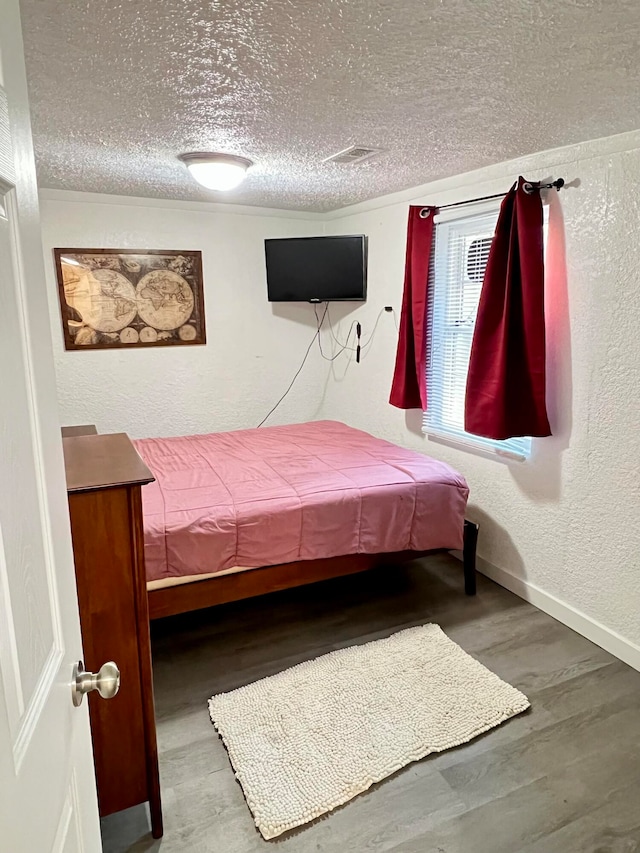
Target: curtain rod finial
pixel 530 187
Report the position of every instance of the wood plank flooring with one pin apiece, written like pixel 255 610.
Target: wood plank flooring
pixel 563 778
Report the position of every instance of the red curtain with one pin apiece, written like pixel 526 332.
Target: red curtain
pixel 506 381
pixel 408 390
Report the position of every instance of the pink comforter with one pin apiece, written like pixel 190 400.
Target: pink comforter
pixel 274 495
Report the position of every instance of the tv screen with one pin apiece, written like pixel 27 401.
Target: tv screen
pixel 317 269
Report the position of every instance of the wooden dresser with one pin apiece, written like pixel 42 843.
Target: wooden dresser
pixel 104 480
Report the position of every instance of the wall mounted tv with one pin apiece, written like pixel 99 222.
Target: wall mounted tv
pixel 317 269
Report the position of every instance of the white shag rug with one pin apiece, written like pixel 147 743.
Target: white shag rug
pixel 311 738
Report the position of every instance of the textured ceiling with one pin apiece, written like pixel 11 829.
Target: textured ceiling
pixel 120 87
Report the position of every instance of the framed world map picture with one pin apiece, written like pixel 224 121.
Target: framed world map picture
pixel 130 298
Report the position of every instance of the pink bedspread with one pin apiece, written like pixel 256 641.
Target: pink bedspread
pixel 274 495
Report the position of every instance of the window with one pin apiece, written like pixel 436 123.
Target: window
pixel 459 259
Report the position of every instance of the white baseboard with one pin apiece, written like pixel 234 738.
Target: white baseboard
pixel 598 633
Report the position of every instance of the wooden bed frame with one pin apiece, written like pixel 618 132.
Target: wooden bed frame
pixel 196 595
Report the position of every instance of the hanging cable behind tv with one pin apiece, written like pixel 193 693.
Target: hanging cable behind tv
pixel 343 346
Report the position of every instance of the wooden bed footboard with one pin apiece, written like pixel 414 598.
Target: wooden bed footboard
pixel 196 595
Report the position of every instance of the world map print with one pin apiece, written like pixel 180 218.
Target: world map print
pixel 124 298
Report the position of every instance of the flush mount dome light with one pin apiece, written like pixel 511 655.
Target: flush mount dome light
pixel 216 171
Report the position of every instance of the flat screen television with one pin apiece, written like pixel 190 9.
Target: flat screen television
pixel 317 269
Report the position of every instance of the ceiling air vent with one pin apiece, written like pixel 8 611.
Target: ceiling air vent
pixel 355 154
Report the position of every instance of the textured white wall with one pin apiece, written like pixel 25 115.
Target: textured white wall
pixel 567 521
pixel 252 350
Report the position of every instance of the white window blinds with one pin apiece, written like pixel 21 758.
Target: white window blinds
pixel 458 263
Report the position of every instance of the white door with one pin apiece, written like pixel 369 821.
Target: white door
pixel 47 788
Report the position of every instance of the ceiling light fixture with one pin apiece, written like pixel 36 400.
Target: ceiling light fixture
pixel 216 171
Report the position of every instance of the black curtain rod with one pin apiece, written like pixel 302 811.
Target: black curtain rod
pixel 527 187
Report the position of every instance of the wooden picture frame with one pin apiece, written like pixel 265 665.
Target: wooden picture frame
pixel 130 298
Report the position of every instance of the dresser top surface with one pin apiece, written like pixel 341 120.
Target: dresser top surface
pixel 103 462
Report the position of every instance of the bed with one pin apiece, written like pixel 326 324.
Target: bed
pixel 236 514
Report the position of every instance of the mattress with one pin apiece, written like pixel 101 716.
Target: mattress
pixel 299 492
pixel 179 580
